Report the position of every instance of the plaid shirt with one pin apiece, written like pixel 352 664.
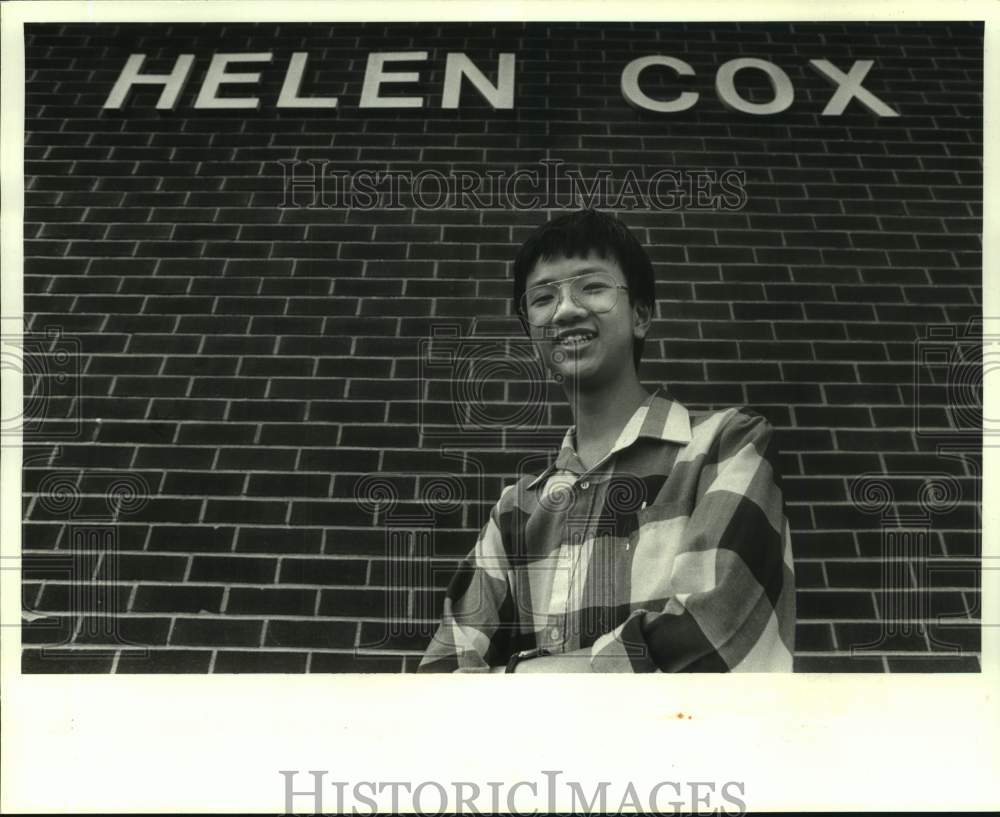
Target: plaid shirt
pixel 672 554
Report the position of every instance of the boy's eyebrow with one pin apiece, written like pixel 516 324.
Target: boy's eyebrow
pixel 552 279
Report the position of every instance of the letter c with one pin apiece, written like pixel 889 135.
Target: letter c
pixel 634 95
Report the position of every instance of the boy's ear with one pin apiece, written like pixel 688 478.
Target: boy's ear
pixel 643 318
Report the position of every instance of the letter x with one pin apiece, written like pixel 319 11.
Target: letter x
pixel 849 87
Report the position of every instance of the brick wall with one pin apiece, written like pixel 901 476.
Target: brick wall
pixel 234 385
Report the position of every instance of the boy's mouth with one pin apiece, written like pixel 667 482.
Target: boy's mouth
pixel 575 339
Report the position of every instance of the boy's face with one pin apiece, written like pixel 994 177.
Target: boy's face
pixel 605 351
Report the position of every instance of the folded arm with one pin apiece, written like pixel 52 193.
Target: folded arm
pixel 475 629
pixel 731 581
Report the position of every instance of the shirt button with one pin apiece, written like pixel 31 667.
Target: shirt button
pixel 584 485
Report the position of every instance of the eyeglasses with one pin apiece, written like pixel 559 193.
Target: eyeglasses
pixel 594 291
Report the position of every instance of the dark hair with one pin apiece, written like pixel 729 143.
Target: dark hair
pixel 575 235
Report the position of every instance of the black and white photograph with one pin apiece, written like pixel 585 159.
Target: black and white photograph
pixel 373 348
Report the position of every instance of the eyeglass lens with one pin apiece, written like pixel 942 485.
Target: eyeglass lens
pixel 595 292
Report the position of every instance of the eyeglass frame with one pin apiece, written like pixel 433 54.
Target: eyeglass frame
pixel 558 284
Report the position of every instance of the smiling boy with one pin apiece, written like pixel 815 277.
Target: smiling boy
pixel 657 539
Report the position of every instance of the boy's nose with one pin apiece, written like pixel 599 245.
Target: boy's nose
pixel 565 303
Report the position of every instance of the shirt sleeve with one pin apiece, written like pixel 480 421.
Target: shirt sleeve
pixel 732 603
pixel 475 629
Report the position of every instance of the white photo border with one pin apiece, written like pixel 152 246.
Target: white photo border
pixel 176 744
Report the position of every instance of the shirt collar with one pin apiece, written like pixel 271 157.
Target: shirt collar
pixel 658 418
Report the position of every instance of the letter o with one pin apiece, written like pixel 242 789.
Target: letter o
pixel 441 794
pixel 781 85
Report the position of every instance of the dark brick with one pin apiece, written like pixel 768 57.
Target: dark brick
pixel 850 351
pixel 375 634
pixel 812 604
pixel 267 661
pixel 346 459
pixel 817 544
pixel 279 540
pixel 166 661
pixel 355 542
pixel 355 662
pixel 233 569
pixel 767 311
pixel 217 433
pixel 142 432
pixel 202 366
pixel 49 630
pixel 945 604
pixel 133 631
pixel 52 661
pixel 700 350
pixel 346 410
pixel 247 511
pixel 310 634
pixel 813 638
pixel 363 602
pixel 827 416
pixel 954 638
pixel 150 386
pixel 967 663
pixel 962 543
pixel 66 597
pixel 289 485
pixel 216 632
pixel 195 538
pixel 179 599
pixel 859 638
pixel 39 536
pixel 305 388
pixel 790 392
pixel 265 601
pixel 859 440
pixel 862 393
pixel 846 663
pixel 267 410
pixel 239 345
pixel 90 456
pixel 159 344
pixel 814 489
pixel 158 509
pixel 323 571
pixel 231 387
pixel 131 567
pixel 738 330
pixel 841 463
pixel 202 483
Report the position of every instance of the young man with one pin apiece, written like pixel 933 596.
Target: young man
pixel 657 540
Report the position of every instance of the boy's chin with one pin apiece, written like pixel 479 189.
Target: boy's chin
pixel 580 375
